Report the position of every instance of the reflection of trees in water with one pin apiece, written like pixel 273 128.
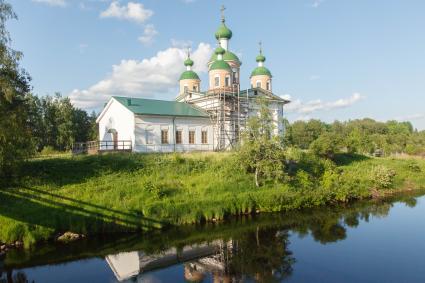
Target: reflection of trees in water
pixel 410 201
pixel 263 255
pixel 11 277
pixel 259 246
pixel 328 225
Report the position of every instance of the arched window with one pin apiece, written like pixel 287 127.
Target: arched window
pixel 258 84
pixel 227 81
pixel 235 75
pixel 269 85
pixel 186 88
pixel 217 81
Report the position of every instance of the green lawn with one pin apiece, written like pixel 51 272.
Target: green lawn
pixel 129 192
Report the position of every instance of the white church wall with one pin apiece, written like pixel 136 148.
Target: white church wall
pixel 276 109
pixel 116 117
pixel 151 126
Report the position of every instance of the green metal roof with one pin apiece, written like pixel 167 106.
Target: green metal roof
pixel 220 50
pixel 227 56
pixel 261 71
pixel 189 75
pixel 188 62
pixel 260 58
pixel 220 65
pixel 223 32
pixel 159 107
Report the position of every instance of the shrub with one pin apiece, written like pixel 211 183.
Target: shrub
pixel 329 179
pixel 414 166
pixel 303 180
pixel 49 150
pixel 156 190
pixel 383 177
pixel 325 146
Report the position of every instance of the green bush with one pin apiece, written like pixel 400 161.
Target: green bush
pixel 327 145
pixel 156 190
pixel 414 166
pixel 383 177
pixel 49 150
pixel 303 180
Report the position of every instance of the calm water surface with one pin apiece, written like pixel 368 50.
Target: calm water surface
pixel 365 242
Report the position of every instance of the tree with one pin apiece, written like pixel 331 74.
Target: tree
pixel 65 120
pixel 304 133
pixel 56 123
pixel 35 120
pixel 327 145
pixel 261 152
pixel 15 137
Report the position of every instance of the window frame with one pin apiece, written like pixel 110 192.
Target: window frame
pixel 227 81
pixel 217 81
pixel 164 138
pixel 149 136
pixel 179 136
pixel 204 136
pixel 192 136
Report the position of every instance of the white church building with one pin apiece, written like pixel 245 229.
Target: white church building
pixel 196 120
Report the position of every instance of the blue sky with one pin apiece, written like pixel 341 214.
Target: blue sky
pixel 335 59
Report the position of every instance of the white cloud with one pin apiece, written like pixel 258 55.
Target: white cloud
pixel 59 3
pixel 181 43
pixel 317 3
pixel 156 77
pixel 135 12
pixel 411 117
pixel 314 77
pixel 305 108
pixel 149 33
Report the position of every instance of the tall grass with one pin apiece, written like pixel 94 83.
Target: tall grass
pixel 131 192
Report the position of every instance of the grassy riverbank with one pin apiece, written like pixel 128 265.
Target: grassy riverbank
pixel 117 193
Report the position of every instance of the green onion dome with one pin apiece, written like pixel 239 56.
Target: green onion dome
pixel 261 71
pixel 189 75
pixel 228 56
pixel 219 50
pixel 220 65
pixel 188 62
pixel 223 32
pixel 260 58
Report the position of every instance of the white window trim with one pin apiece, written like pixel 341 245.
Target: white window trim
pixel 149 132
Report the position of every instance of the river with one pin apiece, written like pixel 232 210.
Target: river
pixel 370 241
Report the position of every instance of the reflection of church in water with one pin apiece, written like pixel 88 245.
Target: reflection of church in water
pixel 199 260
pixel 259 255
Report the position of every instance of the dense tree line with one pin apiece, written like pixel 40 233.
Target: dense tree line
pixel 15 135
pixel 57 124
pixel 364 136
pixel 28 123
